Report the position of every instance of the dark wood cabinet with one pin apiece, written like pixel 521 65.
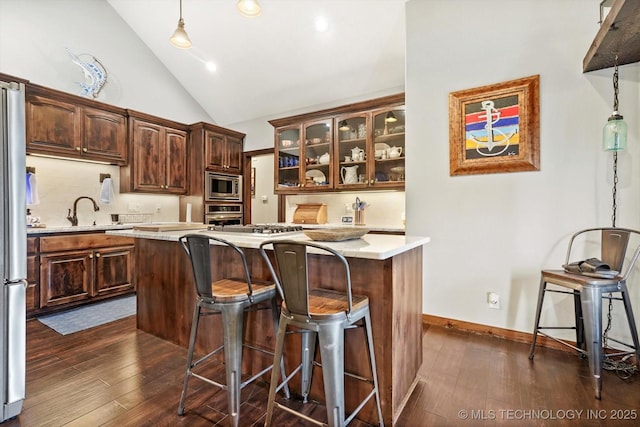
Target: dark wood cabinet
pixel 358 146
pixel 158 156
pixel 64 125
pixel 211 147
pixel 223 152
pixel 104 135
pixel 33 274
pixel 80 267
pixel 65 277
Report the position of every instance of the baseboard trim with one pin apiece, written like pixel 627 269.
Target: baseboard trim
pixel 507 334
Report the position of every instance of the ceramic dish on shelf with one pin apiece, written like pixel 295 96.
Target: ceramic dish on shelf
pixel 317 176
pixel 380 148
pixel 398 170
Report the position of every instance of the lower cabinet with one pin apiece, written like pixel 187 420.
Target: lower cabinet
pixel 82 267
pixel 33 288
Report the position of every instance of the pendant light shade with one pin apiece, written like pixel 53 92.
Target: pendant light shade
pixel 180 39
pixel 614 133
pixel 390 118
pixel 249 8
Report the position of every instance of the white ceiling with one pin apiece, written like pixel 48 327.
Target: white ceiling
pixel 277 62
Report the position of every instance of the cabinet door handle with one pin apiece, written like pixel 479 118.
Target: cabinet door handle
pixel 77 148
pixel 84 150
pixel 98 255
pixel 90 256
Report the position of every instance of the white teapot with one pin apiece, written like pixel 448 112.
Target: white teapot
pixel 357 154
pixel 395 152
pixel 324 159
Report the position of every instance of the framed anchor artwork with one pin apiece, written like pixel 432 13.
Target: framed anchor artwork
pixel 495 128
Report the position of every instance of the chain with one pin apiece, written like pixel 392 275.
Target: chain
pixel 614 206
pixel 606 330
pixel 615 86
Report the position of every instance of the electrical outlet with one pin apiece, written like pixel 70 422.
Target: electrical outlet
pixel 493 300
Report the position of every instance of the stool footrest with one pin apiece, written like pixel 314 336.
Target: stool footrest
pixel 300 414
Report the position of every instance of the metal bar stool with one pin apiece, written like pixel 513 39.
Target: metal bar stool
pixel 588 292
pixel 318 314
pixel 231 298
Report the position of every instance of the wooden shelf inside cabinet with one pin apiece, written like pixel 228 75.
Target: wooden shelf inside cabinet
pixel 619 34
pixel 389 137
pixel 390 159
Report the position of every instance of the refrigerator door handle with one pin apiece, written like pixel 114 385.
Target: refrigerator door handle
pixel 22 282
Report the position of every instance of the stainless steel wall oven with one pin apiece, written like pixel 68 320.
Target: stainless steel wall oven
pixel 223 214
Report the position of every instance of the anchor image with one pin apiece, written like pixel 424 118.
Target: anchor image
pixel 494 135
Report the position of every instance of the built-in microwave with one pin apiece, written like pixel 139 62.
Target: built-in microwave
pixel 220 186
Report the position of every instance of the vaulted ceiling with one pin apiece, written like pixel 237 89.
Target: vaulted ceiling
pixel 277 62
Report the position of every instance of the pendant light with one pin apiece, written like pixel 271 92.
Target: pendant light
pixel 390 118
pixel 614 133
pixel 180 39
pixel 249 8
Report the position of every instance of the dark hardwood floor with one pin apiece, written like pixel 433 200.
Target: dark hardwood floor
pixel 115 375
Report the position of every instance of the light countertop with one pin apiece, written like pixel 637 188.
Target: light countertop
pixel 370 246
pixel 33 231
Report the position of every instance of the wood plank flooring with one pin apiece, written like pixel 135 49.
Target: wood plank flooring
pixel 115 375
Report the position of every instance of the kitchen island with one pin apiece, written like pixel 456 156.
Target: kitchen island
pixel 386 268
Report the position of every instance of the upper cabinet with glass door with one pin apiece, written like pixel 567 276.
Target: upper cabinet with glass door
pixel 352 136
pixel 317 170
pixel 287 159
pixel 353 147
pixel 389 149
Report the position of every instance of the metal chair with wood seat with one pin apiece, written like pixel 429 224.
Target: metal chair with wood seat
pixel 231 298
pixel 588 292
pixel 320 314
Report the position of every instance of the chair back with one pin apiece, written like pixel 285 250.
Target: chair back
pixel 292 277
pixel 614 247
pixel 614 243
pixel 198 247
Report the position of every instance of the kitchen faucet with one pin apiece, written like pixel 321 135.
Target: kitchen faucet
pixel 74 219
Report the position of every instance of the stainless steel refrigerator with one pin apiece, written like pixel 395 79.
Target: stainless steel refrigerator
pixel 13 249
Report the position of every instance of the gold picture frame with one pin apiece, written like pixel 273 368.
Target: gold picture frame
pixel 495 128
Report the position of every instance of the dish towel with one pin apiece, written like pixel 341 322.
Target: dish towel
pixel 33 198
pixel 107 195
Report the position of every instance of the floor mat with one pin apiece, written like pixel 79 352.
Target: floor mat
pixel 89 316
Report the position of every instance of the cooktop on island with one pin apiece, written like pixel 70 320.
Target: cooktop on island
pixel 256 228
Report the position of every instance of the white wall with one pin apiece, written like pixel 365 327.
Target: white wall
pixel 495 232
pixel 264 204
pixel 33 38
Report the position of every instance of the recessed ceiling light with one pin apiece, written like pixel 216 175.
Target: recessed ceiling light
pixel 322 24
pixel 211 66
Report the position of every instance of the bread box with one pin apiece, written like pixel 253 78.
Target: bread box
pixel 310 213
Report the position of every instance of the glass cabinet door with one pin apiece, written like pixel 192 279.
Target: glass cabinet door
pixel 287 158
pixel 352 133
pixel 389 147
pixel 316 162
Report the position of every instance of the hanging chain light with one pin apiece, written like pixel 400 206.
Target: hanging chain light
pixel 614 138
pixel 180 39
pixel 614 134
